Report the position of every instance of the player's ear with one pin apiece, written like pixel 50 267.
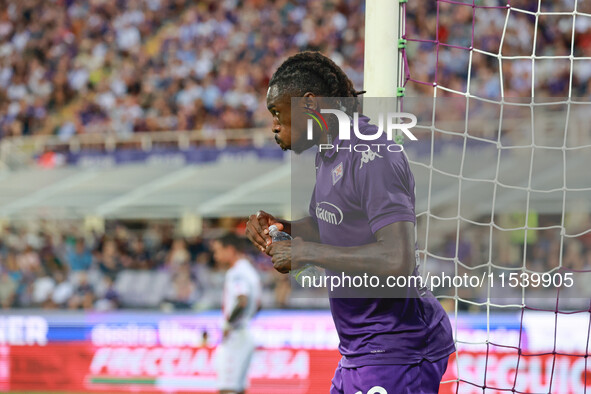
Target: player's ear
pixel 310 100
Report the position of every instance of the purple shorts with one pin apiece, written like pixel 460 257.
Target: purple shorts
pixel 421 378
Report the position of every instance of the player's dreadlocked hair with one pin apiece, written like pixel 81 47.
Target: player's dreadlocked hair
pixel 313 72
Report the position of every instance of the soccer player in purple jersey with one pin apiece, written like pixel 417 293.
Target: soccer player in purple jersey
pixel 388 345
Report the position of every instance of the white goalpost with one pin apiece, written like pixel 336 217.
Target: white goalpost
pixel 381 60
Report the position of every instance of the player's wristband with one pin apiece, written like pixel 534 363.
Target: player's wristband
pixel 226 326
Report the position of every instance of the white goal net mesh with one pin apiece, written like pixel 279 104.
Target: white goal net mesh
pixel 503 96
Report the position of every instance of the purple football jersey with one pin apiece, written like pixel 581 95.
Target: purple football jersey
pixel 355 195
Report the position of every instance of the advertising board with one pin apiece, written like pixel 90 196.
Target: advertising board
pixel 296 353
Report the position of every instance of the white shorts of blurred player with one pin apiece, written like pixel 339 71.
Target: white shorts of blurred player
pixel 233 359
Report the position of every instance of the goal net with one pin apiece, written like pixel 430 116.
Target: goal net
pixel 502 92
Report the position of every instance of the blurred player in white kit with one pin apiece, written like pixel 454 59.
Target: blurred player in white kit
pixel 241 301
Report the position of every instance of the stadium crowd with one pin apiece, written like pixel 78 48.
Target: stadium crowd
pixel 510 252
pixel 56 267
pixel 458 27
pixel 124 66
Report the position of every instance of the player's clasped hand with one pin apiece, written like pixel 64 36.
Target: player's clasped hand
pixel 280 253
pixel 257 229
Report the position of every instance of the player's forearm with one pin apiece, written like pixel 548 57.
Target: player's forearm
pixel 238 309
pixel 305 228
pixel 392 253
pixel 372 259
pixel 236 313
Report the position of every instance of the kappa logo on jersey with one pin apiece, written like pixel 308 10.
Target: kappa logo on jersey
pixel 329 213
pixel 368 156
pixel 337 173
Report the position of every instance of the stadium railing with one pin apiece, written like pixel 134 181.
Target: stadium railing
pixel 19 150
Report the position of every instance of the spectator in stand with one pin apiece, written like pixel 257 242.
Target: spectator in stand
pixel 109 262
pixel 574 256
pixel 29 263
pixel 198 249
pixel 109 298
pixel 140 257
pixel 79 259
pixel 63 290
pixel 49 259
pixel 8 287
pixel 13 270
pixel 83 297
pixel 178 255
pixel 43 287
pixel 183 293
